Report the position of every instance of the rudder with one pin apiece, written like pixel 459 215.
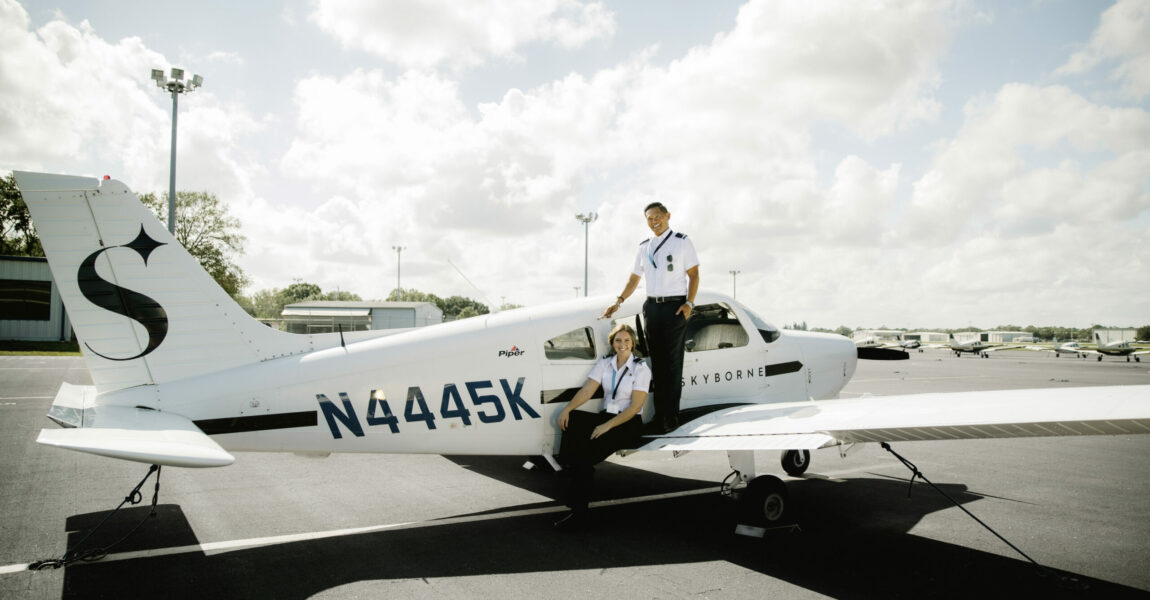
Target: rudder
pixel 143 309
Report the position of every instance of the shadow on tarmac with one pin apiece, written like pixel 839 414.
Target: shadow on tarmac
pixel 853 544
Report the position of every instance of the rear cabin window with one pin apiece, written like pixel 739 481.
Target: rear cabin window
pixel 577 344
pixel 714 327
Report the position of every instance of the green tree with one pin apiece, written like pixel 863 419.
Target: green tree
pixel 299 292
pixel 1143 333
pixel 458 307
pixel 454 307
pixel 208 232
pixel 17 234
pixel 410 295
pixel 342 296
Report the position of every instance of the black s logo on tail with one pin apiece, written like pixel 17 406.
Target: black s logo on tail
pixel 122 301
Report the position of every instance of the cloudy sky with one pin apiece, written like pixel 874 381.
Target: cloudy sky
pixel 864 163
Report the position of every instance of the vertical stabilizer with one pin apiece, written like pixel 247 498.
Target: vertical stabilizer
pixel 143 309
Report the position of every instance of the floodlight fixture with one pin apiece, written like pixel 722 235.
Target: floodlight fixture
pixel 176 86
pixel 586 220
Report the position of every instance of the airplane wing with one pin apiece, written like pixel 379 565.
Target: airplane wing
pixel 996 348
pixel 1107 410
pixel 129 433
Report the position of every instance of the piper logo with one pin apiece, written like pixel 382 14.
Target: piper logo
pixel 514 351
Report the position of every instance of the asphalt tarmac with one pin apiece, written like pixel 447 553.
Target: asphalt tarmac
pixel 369 526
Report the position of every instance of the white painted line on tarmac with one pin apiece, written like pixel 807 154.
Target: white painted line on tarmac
pixel 213 548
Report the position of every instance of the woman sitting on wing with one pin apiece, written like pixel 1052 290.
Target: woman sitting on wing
pixel 589 438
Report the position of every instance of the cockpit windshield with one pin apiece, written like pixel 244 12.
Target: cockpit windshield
pixel 769 332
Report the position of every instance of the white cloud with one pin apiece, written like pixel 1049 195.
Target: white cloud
pixel 1122 40
pixel 73 101
pixel 370 159
pixel 983 172
pixel 422 34
pixel 699 134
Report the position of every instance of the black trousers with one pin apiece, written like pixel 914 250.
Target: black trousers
pixel 579 454
pixel 665 331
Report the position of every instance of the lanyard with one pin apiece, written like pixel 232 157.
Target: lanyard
pixel 615 386
pixel 651 255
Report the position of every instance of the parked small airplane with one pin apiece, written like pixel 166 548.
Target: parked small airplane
pixel 1059 349
pixel 1122 348
pixel 977 347
pixel 184 377
pixel 874 342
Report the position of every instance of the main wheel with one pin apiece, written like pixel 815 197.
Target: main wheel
pixel 764 502
pixel 795 462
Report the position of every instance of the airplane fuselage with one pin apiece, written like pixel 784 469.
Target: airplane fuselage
pixel 487 385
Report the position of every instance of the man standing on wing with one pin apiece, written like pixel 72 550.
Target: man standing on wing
pixel 670 268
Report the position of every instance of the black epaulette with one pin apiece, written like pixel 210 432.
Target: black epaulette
pixel 644 241
pixel 680 235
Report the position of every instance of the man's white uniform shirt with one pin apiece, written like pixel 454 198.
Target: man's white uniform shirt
pixel 618 383
pixel 663 262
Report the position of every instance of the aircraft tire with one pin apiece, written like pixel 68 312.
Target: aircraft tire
pixel 764 502
pixel 795 462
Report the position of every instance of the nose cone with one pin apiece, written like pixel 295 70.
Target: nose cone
pixel 830 361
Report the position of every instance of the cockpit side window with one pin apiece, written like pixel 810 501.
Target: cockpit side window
pixel 714 327
pixel 577 344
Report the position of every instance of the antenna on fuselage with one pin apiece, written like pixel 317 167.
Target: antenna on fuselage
pixel 494 308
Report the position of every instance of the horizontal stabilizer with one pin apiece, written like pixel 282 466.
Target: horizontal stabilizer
pixel 142 435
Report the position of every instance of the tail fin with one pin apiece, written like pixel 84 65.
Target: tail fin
pixel 143 309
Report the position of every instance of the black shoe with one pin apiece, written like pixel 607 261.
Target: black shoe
pixel 572 521
pixel 654 428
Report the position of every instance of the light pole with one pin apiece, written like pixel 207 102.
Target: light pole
pixel 576 291
pixel 734 284
pixel 176 86
pixel 586 220
pixel 398 251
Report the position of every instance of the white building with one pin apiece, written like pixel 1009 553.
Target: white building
pixel 1116 335
pixel 327 316
pixel 30 304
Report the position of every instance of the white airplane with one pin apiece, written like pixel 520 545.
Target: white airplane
pixel 184 377
pixel 1059 349
pixel 874 342
pixel 1121 348
pixel 977 347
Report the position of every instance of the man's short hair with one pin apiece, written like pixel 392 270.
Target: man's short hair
pixel 658 205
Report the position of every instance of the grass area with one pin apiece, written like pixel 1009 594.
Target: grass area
pixel 18 347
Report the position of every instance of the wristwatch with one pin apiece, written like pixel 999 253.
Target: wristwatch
pixel 691 304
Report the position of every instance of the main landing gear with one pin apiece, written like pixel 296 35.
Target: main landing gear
pixel 762 502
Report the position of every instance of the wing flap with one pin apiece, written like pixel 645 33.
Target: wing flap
pixel 809 441
pixel 1107 410
pixel 141 435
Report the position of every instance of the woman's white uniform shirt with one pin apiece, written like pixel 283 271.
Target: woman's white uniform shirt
pixel 618 383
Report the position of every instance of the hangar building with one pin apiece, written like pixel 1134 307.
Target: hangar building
pixel 327 316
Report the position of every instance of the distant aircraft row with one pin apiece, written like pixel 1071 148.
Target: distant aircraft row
pixel 983 349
